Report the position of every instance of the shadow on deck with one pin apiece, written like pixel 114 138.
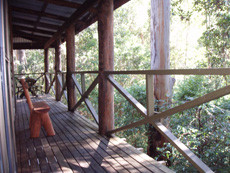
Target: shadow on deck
pixel 76 147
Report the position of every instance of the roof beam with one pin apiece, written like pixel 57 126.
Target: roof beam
pixel 29 36
pixel 32 23
pixel 63 3
pixel 44 6
pixel 90 21
pixel 25 28
pixel 72 20
pixel 39 45
pixel 87 5
pixel 33 12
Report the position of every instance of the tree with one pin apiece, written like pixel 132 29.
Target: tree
pixel 160 20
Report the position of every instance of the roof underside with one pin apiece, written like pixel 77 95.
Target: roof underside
pixel 36 24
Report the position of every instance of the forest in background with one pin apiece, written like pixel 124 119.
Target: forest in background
pixel 199 38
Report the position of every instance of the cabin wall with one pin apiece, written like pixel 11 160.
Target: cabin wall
pixel 7 112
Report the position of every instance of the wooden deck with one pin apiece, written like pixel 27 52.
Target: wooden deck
pixel 76 147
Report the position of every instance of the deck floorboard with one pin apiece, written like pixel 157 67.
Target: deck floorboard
pixel 76 147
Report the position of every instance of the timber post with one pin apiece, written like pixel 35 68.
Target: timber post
pixel 106 62
pixel 70 52
pixel 46 69
pixel 57 70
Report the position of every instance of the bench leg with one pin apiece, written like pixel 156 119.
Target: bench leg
pixel 47 124
pixel 35 125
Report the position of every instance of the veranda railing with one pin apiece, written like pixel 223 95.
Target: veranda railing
pixel 150 116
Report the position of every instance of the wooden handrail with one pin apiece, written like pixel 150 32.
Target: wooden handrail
pixel 188 154
pixel 17 74
pixel 63 91
pixel 188 105
pixel 84 95
pixel 75 72
pixel 140 108
pixel 214 71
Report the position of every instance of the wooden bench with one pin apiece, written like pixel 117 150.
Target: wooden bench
pixel 39 115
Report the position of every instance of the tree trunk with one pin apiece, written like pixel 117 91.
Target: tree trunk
pixel 20 55
pixel 160 21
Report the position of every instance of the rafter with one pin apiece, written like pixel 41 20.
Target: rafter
pixel 37 45
pixel 94 18
pixel 72 20
pixel 86 6
pixel 44 6
pixel 33 12
pixel 24 28
pixel 63 3
pixel 29 36
pixel 32 23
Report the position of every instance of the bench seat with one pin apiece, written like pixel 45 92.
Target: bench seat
pixel 39 115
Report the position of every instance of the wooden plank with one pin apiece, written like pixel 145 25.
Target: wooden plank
pixel 77 146
pixel 100 141
pixel 92 110
pixel 140 156
pixel 77 132
pixel 41 156
pixel 24 156
pixel 32 37
pixel 25 28
pixel 37 45
pixel 188 105
pixel 86 94
pixel 87 102
pixel 77 84
pixel 49 154
pixel 63 3
pixel 17 74
pixel 99 161
pixel 57 69
pixel 75 140
pixel 140 108
pixel 34 147
pixel 71 21
pixel 43 9
pixel 63 91
pixel 32 23
pixel 188 154
pixel 34 12
pixel 65 114
pixel 83 82
pixel 70 66
pixel 46 69
pixel 80 72
pixel 93 19
pixel 150 95
pixel 51 85
pixel 212 71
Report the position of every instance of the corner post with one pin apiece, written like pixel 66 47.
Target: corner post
pixel 57 70
pixel 106 62
pixel 46 68
pixel 70 52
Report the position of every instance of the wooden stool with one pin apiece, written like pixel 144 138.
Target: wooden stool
pixel 39 115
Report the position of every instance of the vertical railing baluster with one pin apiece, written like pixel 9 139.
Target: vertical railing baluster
pixel 83 82
pixel 150 94
pixel 63 79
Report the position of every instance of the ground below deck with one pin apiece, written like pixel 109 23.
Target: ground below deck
pixel 76 147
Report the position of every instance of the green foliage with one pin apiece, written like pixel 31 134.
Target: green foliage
pixel 193 87
pixel 125 114
pixel 204 129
